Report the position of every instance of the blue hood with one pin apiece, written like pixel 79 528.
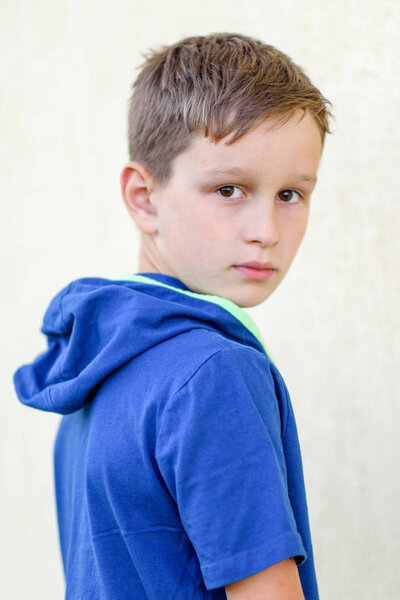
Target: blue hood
pixel 91 328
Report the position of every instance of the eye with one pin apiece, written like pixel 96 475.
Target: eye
pixel 228 191
pixel 289 196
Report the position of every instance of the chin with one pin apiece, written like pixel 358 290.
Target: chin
pixel 249 298
pixel 245 296
pixel 250 303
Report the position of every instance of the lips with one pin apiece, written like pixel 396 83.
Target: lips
pixel 256 265
pixel 255 270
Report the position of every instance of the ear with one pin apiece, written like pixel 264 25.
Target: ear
pixel 136 188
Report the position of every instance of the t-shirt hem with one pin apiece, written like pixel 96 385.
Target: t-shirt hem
pixel 250 562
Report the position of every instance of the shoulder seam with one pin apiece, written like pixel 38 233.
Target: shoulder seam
pixel 239 349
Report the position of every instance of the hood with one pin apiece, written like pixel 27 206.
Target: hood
pixel 94 326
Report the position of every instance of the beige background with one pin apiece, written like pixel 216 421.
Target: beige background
pixel 332 327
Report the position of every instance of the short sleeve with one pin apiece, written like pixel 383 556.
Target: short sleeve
pixel 220 453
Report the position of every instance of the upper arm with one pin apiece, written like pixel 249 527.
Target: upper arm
pixel 220 453
pixel 279 582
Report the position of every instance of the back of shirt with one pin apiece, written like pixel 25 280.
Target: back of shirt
pixel 180 471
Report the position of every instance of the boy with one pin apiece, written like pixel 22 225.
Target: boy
pixel 177 466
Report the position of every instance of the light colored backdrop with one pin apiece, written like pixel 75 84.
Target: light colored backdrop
pixel 332 327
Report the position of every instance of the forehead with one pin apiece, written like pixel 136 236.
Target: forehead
pixel 295 144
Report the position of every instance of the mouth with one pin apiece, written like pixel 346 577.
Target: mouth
pixel 255 270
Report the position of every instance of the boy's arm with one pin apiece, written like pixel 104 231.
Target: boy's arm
pixel 279 582
pixel 219 450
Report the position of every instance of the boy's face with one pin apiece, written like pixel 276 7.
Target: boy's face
pixel 225 206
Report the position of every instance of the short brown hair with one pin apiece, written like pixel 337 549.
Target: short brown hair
pixel 215 85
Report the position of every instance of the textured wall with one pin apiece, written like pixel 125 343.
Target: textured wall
pixel 333 325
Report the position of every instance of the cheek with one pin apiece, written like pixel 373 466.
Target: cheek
pixel 294 233
pixel 212 232
pixel 300 231
pixel 188 236
pixel 194 228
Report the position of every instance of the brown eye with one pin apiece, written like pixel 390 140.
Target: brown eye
pixel 228 191
pixel 289 196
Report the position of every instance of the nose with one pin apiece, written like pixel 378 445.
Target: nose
pixel 262 225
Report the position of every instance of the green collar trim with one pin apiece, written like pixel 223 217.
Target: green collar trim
pixel 228 305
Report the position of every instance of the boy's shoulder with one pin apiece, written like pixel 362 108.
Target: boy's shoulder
pixel 207 360
pixel 178 359
pixel 173 332
pixel 199 372
pixel 201 345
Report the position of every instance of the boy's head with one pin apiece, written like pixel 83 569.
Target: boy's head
pixel 225 136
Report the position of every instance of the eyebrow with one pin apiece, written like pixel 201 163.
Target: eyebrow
pixel 229 171
pixel 239 172
pixel 311 178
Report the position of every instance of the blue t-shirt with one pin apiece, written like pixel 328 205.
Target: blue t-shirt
pixel 177 461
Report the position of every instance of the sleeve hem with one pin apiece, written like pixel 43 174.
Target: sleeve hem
pixel 250 562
